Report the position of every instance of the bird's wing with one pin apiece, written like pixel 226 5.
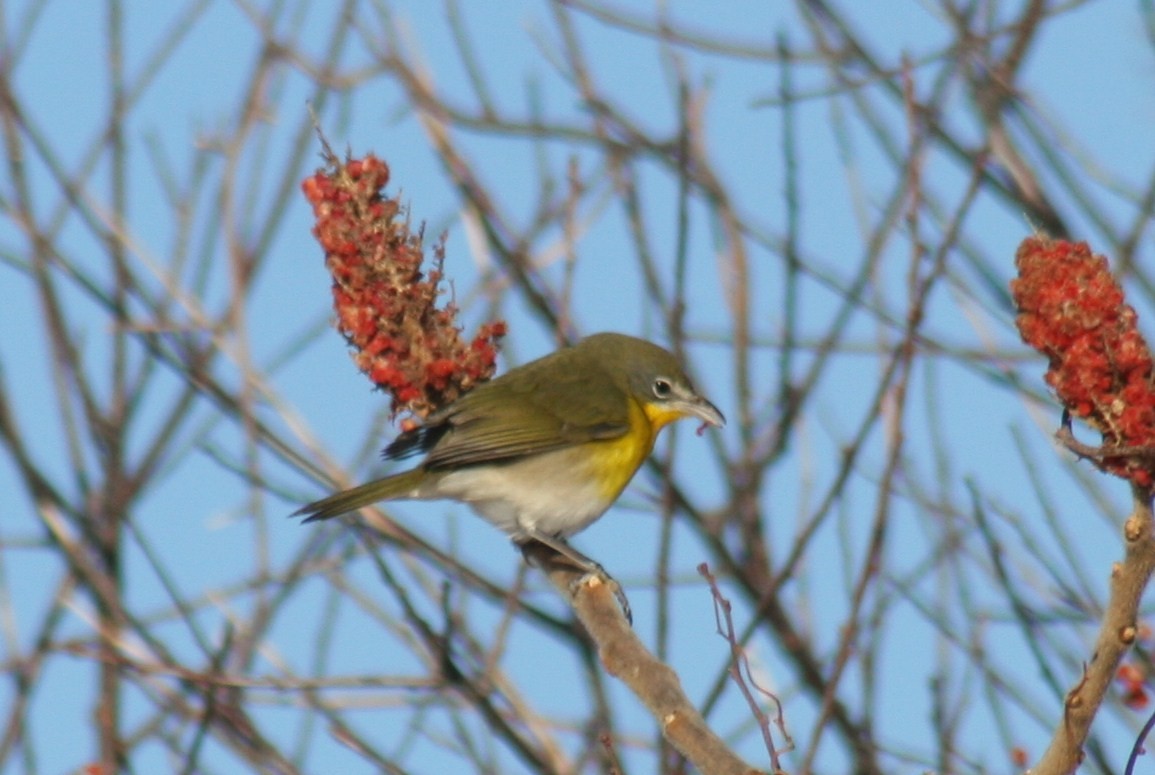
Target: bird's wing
pixel 529 411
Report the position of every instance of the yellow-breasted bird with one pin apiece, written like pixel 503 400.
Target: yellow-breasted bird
pixel 543 450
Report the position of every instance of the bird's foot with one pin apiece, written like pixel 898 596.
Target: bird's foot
pixel 600 576
pixel 592 570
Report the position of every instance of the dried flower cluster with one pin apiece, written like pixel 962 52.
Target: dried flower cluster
pixel 1133 685
pixel 386 303
pixel 1071 309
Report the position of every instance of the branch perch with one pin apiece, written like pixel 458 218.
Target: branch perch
pixel 627 659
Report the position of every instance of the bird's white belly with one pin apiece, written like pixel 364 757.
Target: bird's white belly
pixel 549 493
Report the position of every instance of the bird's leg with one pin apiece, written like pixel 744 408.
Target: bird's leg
pixel 581 562
pixel 562 547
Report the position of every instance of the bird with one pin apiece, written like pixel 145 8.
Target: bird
pixel 542 451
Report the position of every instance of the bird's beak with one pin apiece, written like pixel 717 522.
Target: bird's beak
pixel 704 411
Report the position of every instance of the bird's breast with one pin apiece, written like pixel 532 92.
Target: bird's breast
pixel 613 462
pixel 558 492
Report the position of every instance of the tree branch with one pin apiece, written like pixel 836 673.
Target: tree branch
pixel 1116 635
pixel 625 657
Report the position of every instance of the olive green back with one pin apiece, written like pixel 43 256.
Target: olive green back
pixel 575 395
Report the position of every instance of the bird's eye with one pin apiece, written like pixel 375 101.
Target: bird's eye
pixel 662 388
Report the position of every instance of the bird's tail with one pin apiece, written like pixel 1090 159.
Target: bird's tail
pixel 403 485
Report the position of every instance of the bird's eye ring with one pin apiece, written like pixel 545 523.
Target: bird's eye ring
pixel 662 388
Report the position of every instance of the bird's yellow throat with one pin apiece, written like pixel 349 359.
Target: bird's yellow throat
pixel 617 460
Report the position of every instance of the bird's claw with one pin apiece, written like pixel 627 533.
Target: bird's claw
pixel 599 573
pixel 575 559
